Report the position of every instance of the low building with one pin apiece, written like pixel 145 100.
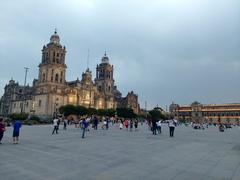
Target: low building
pixel 211 113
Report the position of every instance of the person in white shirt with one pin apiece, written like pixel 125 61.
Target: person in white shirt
pixel 159 127
pixel 55 126
pixel 171 125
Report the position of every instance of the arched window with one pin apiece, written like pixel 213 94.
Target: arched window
pixel 43 77
pixel 39 103
pixel 56 78
pixel 61 78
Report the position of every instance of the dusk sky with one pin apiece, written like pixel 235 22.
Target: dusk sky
pixel 163 50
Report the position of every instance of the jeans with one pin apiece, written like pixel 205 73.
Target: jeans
pixel 171 130
pixel 83 132
pixel 1 136
pixel 154 130
pixel 55 129
pixel 159 128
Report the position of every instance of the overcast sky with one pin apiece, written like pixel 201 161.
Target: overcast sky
pixel 164 50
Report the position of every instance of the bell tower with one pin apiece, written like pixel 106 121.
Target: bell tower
pixel 52 68
pixel 104 76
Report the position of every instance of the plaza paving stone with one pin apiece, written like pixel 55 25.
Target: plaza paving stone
pixel 120 154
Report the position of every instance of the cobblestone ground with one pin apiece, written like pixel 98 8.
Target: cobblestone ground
pixel 120 154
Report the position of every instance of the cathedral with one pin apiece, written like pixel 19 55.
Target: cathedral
pixel 51 90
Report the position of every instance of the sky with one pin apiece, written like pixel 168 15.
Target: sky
pixel 164 50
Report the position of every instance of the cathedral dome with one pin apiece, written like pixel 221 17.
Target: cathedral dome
pixel 55 38
pixel 105 58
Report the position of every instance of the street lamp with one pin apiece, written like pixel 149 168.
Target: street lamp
pixel 24 92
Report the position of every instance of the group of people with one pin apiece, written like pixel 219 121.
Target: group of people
pixel 156 126
pixel 85 122
pixel 128 124
pixel 16 130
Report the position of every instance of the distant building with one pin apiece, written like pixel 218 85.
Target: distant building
pixel 212 113
pixel 51 90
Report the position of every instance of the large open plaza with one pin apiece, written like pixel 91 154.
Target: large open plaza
pixel 121 154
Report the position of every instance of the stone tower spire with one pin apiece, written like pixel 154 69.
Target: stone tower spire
pixel 52 69
pixel 104 76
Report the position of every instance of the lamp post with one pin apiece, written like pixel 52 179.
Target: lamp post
pixel 24 92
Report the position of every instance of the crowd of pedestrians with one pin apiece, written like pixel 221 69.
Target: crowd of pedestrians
pixel 85 123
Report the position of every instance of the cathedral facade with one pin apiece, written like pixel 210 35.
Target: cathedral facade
pixel 51 90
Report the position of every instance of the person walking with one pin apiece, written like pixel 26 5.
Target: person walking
pixel 16 131
pixel 58 123
pixel 171 125
pixel 120 125
pixel 55 126
pixel 154 126
pixel 95 122
pixel 136 124
pixel 65 122
pixel 131 125
pixel 2 129
pixel 107 123
pixel 126 123
pixel 84 127
pixel 159 127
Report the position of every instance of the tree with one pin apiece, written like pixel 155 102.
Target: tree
pixel 126 113
pixel 18 116
pixel 92 111
pixel 81 111
pixel 110 112
pixel 68 110
pixel 156 114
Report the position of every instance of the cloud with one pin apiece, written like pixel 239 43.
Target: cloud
pixel 165 50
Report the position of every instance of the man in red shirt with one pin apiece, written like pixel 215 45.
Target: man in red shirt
pixel 2 129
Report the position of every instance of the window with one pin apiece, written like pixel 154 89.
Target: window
pixel 43 78
pixel 27 104
pixel 61 78
pixel 56 78
pixel 39 103
pixel 57 54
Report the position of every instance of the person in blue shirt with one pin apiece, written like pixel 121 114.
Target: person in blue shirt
pixel 16 130
pixel 84 126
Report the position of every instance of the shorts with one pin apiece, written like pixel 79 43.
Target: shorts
pixel 15 133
